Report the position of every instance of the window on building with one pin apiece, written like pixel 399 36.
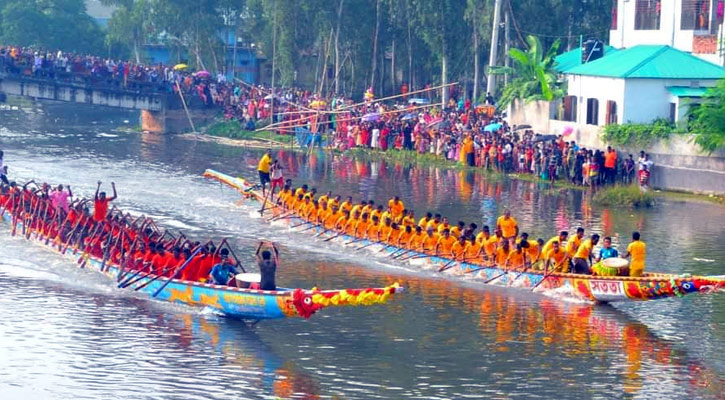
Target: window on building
pixel 695 15
pixel 611 112
pixel 592 111
pixel 673 112
pixel 614 15
pixel 647 14
pixel 569 109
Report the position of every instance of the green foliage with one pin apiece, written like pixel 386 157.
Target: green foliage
pixel 630 195
pixel 708 120
pixel 638 135
pixel 51 24
pixel 534 75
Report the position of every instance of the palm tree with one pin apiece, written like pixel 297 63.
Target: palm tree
pixel 534 74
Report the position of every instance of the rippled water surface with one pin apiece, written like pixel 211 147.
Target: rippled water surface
pixel 68 333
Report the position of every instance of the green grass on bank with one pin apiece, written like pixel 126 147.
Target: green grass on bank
pixel 233 130
pixel 630 195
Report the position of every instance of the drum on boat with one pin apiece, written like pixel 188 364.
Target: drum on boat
pixel 246 280
pixel 614 266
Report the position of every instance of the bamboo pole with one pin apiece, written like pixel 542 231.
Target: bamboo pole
pixel 397 95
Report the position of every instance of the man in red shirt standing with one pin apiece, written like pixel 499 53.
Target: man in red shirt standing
pixel 100 206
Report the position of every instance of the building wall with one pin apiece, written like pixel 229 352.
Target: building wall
pixel 702 43
pixel 601 88
pixel 648 99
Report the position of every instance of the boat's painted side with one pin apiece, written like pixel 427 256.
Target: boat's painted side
pixel 652 286
pixel 233 302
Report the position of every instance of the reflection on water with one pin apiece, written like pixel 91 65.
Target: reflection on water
pixel 70 334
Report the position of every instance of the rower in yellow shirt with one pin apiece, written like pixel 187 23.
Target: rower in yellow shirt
pixel 416 240
pixel 457 230
pixel 638 251
pixel 559 257
pixel 443 226
pixel 335 202
pixel 517 257
pixel 573 244
pixel 408 219
pixel 386 229
pixel 378 212
pixel 531 249
pixel 301 190
pixel 347 205
pixel 342 221
pixel 325 198
pixel 359 208
pixel 445 244
pixel 350 224
pixel 423 222
pixel 368 207
pixel 434 223
pixel 508 226
pixel 561 238
pixel 473 250
pixel 583 257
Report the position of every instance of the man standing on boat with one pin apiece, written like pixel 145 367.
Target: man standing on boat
pixel 100 205
pixel 275 175
pixel 267 262
pixel 638 251
pixel 508 226
pixel 263 169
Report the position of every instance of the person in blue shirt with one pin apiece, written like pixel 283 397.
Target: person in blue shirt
pixel 224 271
pixel 607 251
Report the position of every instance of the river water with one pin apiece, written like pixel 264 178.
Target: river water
pixel 67 333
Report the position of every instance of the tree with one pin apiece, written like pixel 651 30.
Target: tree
pixel 128 24
pixel 708 120
pixel 52 24
pixel 534 74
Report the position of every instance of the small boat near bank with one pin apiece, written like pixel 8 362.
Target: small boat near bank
pixel 246 304
pixel 651 286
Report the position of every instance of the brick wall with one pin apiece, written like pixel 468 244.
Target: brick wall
pixel 704 44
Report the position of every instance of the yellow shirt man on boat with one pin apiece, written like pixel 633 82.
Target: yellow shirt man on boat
pixel 637 250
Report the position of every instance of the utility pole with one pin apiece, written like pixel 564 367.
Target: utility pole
pixel 491 84
pixel 507 45
pixel 274 54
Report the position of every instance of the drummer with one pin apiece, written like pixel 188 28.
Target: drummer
pixel 607 250
pixel 224 272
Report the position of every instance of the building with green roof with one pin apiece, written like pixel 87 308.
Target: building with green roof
pixel 638 84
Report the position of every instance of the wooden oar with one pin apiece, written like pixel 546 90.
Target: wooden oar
pixel 355 241
pixel 281 216
pixel 231 250
pixel 264 204
pixel 496 277
pixel 304 223
pixel 177 272
pixel 333 237
pixel 372 242
pixel 307 229
pixel 446 266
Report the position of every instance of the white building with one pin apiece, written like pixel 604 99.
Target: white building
pixel 694 26
pixel 638 84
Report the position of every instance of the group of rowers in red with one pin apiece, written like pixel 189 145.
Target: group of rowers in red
pixel 135 244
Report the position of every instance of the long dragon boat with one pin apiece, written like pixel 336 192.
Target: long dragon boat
pixel 246 304
pixel 651 286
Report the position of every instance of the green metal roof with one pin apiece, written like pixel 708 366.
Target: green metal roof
pixel 650 61
pixel 686 91
pixel 573 58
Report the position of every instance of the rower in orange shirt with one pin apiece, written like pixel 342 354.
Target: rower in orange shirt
pixel 473 250
pixel 443 226
pixel 502 253
pixel 403 239
pixel 423 223
pixel 361 226
pixel 458 250
pixel 457 231
pixel 434 223
pixel 347 205
pixel 392 236
pixel 373 230
pixel 416 240
pixel 517 257
pixel 350 224
pixel 342 221
pixel 331 220
pixel 429 241
pixel 445 244
pixel 385 230
pixel 408 219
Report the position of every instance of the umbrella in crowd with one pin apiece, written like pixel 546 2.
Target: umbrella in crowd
pixel 520 127
pixel 492 127
pixel 372 117
pixel 408 117
pixel 180 67
pixel 317 104
pixel 203 74
pixel 418 100
pixel 544 138
pixel 567 131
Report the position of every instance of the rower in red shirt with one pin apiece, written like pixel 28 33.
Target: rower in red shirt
pixel 202 274
pixel 100 205
pixel 190 272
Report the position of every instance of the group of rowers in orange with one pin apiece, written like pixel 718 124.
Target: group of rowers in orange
pixel 434 235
